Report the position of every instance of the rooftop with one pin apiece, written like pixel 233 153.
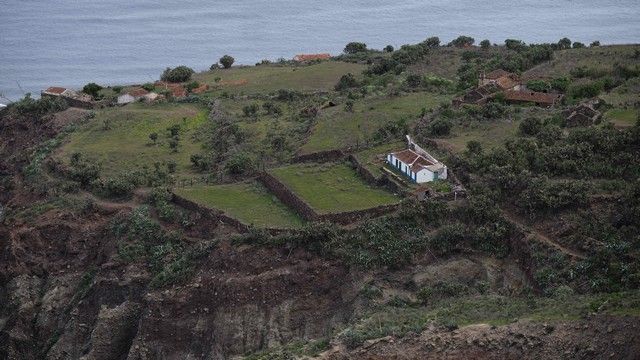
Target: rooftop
pixel 416 161
pixel 55 90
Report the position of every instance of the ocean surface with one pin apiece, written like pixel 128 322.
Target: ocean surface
pixel 72 42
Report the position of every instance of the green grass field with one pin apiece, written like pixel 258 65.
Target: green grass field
pixel 269 78
pixel 118 137
pixel 332 188
pixel 248 202
pixel 489 134
pixel 622 117
pixel 369 158
pixel 601 57
pixel 337 128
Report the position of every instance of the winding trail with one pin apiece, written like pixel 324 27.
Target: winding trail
pixel 540 236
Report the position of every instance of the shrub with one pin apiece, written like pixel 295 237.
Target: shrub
pixel 227 61
pixel 239 163
pixel 271 108
pixel 388 48
pixel 153 137
pixel 44 105
pixel 346 81
pixel 588 90
pixel 414 80
pixel 83 170
pixel 117 187
pixel 192 85
pixel 485 44
pixel 448 238
pixel 179 74
pixel 440 127
pixel 432 42
pixel 538 85
pixel 199 162
pixel 441 290
pixel 149 86
pixel 564 43
pixel 348 106
pixel 545 195
pixel 92 89
pixel 578 45
pixel 355 47
pixel 462 41
pixel 250 110
pixel 530 126
pixel 516 45
pixel 595 44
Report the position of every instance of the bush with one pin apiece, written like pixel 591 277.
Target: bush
pixel 179 74
pixel 538 85
pixel 355 47
pixel 485 44
pixel 153 137
pixel 448 238
pixel 83 170
pixel 44 105
pixel 388 48
pixel 578 45
pixel 192 85
pixel 227 61
pixel 441 290
pixel 595 44
pixel 545 195
pixel 239 163
pixel 516 45
pixel 564 43
pixel 440 127
pixel 462 41
pixel 250 110
pixel 117 187
pixel 92 89
pixel 560 84
pixel 588 90
pixel 530 126
pixel 271 108
pixel 346 81
pixel 199 162
pixel 432 42
pixel 414 80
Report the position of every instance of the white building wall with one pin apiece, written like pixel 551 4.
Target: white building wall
pixel 125 99
pixel 424 175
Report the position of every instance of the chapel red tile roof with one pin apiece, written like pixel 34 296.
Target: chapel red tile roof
pixel 137 92
pixel 415 161
pixel 310 57
pixel 56 90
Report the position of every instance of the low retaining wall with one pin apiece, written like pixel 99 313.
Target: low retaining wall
pixel 288 197
pixel 349 217
pixel 320 156
pixel 219 215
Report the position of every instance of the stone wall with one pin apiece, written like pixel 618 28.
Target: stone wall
pixel 288 197
pixel 217 215
pixel 349 217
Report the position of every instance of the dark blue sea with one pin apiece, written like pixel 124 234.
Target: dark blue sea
pixel 72 42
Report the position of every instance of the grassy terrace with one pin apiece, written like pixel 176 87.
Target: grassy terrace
pixel 268 78
pixel 369 157
pixel 118 137
pixel 248 202
pixel 337 128
pixel 332 188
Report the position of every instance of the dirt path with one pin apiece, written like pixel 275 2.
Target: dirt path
pixel 540 236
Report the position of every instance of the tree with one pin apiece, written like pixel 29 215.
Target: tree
pixel 348 106
pixel 538 85
pixel 564 43
pixel 154 137
pixel 578 45
pixel 346 81
pixel 414 80
pixel 462 41
pixel 388 48
pixel 173 144
pixel 355 47
pixel 530 126
pixel 560 84
pixel 513 44
pixel 474 147
pixel 227 61
pixel 485 44
pixel 92 89
pixel 432 42
pixel 595 44
pixel 239 163
pixel 250 110
pixel 440 127
pixel 179 74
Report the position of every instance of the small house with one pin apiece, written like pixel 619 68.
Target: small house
pixel 56 91
pixel 503 79
pixel 532 97
pixel 311 57
pixel 417 164
pixel 72 98
pixel 132 95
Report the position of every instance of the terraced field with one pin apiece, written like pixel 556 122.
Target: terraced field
pixel 118 137
pixel 248 202
pixel 332 188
